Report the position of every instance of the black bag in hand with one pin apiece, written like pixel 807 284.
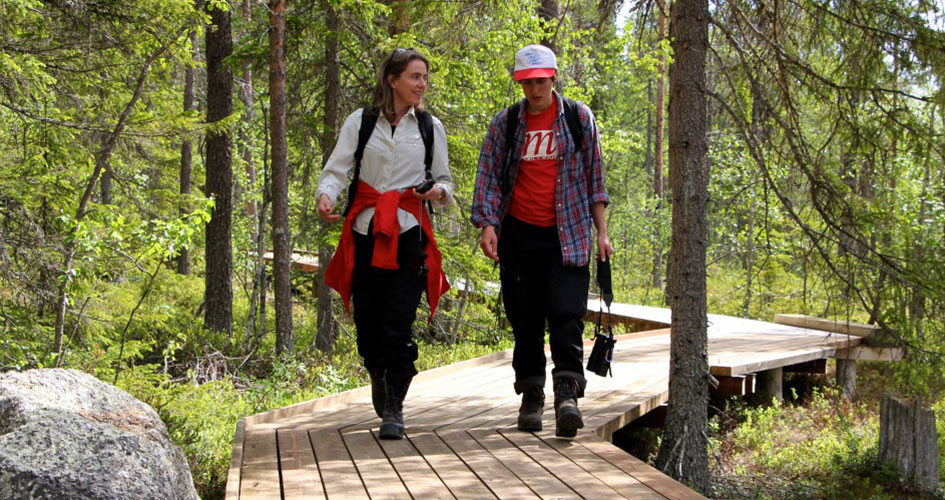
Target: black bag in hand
pixel 603 351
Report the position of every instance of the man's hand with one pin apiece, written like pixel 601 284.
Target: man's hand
pixel 489 243
pixel 324 209
pixel 605 250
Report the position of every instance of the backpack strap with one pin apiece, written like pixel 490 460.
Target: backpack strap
pixel 511 126
pixel 572 118
pixel 425 122
pixel 574 121
pixel 368 121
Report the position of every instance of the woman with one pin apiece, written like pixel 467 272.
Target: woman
pixel 387 254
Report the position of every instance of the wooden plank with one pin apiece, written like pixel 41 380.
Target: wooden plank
pixel 654 479
pixel 827 325
pixel 300 477
pixel 298 261
pixel 621 482
pixel 364 393
pixel 339 474
pixel 729 364
pixel 496 476
pixel 867 353
pixel 461 481
pixel 414 471
pixel 532 472
pixel 236 463
pixel 260 474
pixel 563 468
pixel 379 476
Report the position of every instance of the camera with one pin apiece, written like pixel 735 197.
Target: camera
pixel 426 185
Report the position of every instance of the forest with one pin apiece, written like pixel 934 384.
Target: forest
pixel 153 151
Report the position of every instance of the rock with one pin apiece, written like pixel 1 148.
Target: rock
pixel 66 435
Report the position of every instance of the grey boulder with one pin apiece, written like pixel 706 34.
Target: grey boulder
pixel 66 435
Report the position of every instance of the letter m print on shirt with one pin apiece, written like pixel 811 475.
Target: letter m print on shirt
pixel 540 145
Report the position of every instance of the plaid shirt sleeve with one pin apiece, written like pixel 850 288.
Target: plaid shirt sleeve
pixel 580 184
pixel 487 196
pixel 596 191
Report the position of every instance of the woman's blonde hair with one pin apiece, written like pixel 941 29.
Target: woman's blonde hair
pixel 393 65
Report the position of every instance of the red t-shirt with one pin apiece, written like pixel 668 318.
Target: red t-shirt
pixel 533 200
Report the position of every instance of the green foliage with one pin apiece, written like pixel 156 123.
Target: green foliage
pixel 824 448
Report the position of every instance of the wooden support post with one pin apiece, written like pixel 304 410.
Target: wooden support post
pixel 907 439
pixel 846 377
pixel 770 386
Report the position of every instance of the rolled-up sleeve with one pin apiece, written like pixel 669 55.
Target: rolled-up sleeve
pixel 487 195
pixel 440 167
pixel 596 193
pixel 334 176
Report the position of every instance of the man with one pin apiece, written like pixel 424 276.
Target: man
pixel 539 187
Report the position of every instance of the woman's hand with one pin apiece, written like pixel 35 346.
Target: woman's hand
pixel 324 209
pixel 436 193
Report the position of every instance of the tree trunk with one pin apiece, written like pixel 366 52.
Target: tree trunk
pixel 399 17
pixel 327 330
pixel 657 279
pixel 548 12
pixel 281 241
pixel 908 440
pixel 106 185
pixel 684 450
pixel 186 149
pixel 219 292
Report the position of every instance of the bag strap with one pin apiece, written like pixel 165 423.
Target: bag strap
pixel 369 116
pixel 571 116
pixel 609 356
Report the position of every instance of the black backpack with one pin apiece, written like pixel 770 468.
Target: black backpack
pixel 368 121
pixel 511 126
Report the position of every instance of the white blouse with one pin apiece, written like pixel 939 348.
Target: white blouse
pixel 389 162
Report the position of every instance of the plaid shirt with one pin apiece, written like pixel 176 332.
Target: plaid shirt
pixel 578 185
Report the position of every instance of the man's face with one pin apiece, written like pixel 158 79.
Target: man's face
pixel 537 91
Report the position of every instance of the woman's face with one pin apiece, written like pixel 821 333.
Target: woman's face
pixel 409 86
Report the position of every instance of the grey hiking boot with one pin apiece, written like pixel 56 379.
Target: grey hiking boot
pixel 533 405
pixel 567 415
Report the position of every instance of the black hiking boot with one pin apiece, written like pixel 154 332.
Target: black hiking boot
pixel 378 390
pixel 533 405
pixel 392 427
pixel 567 415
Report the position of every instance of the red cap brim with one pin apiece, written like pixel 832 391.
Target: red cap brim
pixel 534 73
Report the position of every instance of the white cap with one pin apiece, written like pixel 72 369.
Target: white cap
pixel 535 61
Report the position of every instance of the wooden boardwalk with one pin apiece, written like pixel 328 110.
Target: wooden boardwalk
pixel 461 438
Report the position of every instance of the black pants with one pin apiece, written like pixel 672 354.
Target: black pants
pixel 537 287
pixel 385 304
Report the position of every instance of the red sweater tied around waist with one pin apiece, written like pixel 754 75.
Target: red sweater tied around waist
pixel 340 271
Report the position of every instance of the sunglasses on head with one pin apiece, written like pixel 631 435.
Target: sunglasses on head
pixel 400 54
